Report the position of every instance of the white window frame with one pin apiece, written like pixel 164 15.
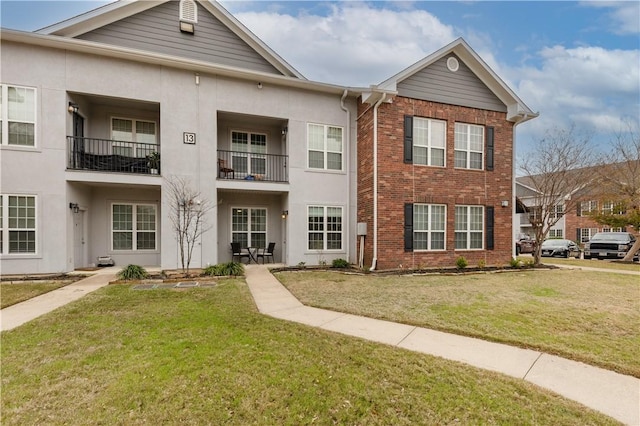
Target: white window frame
pixel 587 233
pixel 462 144
pixel 424 126
pixel 134 227
pixel 429 230
pixel 4 116
pixel 588 207
pixel 556 233
pixel 186 17
pixel 468 230
pixel 250 231
pixel 6 230
pixel 137 150
pixel 325 149
pixel 325 229
pixel 250 153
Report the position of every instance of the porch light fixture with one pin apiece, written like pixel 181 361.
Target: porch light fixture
pixel 285 213
pixel 284 131
pixel 187 27
pixel 74 207
pixel 259 85
pixel 73 107
pixel 505 203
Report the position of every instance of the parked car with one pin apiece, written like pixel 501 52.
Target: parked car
pixel 609 245
pixel 562 248
pixel 525 244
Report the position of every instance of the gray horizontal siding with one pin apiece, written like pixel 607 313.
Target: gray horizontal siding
pixel 436 83
pixel 157 30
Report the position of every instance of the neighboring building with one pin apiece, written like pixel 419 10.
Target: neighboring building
pixel 97 110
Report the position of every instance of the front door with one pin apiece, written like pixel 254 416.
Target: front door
pixel 79 241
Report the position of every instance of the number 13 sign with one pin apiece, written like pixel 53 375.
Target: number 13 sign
pixel 189 138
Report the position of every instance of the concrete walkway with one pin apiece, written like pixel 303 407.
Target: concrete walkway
pixel 613 394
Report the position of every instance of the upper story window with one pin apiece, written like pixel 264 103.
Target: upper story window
pixel 188 11
pixel 17 115
pixel 325 147
pixel 17 224
pixel 248 152
pixel 429 141
pixel 587 207
pixel 129 130
pixel 469 145
pixel 556 211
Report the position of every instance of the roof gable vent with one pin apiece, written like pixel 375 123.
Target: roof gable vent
pixel 188 11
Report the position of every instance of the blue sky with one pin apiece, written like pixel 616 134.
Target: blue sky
pixel 577 63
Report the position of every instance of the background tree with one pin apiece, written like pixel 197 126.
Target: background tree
pixel 556 170
pixel 619 184
pixel 187 212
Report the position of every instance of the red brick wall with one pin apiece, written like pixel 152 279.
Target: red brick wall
pixel 400 183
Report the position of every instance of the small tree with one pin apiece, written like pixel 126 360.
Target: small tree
pixel 619 185
pixel 556 170
pixel 187 212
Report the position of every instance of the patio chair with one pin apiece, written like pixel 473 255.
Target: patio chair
pixel 268 252
pixel 236 249
pixel 224 170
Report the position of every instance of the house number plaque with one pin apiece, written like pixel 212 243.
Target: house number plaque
pixel 189 138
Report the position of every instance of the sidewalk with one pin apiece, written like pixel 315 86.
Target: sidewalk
pixel 613 394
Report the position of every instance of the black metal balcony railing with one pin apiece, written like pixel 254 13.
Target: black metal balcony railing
pixel 107 155
pixel 239 165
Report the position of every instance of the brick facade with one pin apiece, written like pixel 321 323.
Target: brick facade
pixel 400 183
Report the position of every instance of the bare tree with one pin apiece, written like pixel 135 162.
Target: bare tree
pixel 619 184
pixel 556 170
pixel 187 212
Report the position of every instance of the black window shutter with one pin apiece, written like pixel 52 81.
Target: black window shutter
pixel 579 209
pixel 408 139
pixel 408 227
pixel 489 159
pixel 579 235
pixel 489 227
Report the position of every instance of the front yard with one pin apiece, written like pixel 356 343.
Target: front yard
pixel 593 317
pixel 205 356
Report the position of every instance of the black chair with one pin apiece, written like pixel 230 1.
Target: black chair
pixel 268 252
pixel 236 249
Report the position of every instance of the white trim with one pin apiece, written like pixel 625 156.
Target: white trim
pixel 325 232
pixel 430 231
pixel 4 116
pixel 325 149
pixel 469 231
pixel 190 15
pixel 4 227
pixel 468 151
pixel 134 227
pixel 248 232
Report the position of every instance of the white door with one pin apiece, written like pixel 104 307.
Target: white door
pixel 79 241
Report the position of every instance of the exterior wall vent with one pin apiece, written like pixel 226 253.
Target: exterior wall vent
pixel 188 11
pixel 452 64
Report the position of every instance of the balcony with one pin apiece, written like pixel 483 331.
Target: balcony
pixel 106 155
pixel 238 165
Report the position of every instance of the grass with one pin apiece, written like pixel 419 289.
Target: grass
pixel 593 317
pixel 593 263
pixel 205 356
pixel 20 291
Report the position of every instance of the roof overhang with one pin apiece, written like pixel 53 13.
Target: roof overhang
pixel 88 47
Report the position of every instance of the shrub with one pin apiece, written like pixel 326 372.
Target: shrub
pixel 461 262
pixel 515 263
pixel 224 269
pixel 339 263
pixel 482 264
pixel 301 264
pixel 133 272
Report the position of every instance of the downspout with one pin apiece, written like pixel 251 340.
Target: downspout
pixel 524 118
pixel 374 261
pixel 348 145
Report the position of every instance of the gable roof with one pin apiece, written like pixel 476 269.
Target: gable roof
pixel 122 9
pixel 517 110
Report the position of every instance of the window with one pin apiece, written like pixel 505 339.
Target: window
pixel 557 211
pixel 133 226
pixel 612 230
pixel 17 224
pixel 587 233
pixel 325 147
pixel 255 146
pixel 469 144
pixel 609 207
pixel 429 139
pixel 324 228
pixel 141 133
pixel 17 115
pixel 555 233
pixel 469 224
pixel 249 227
pixel 429 226
pixel 587 207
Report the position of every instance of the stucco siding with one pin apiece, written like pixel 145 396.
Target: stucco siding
pixel 438 84
pixel 157 30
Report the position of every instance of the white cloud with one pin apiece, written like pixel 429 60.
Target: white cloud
pixel 624 15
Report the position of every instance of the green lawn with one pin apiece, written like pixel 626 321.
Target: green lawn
pixel 593 263
pixel 592 317
pixel 205 356
pixel 17 292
